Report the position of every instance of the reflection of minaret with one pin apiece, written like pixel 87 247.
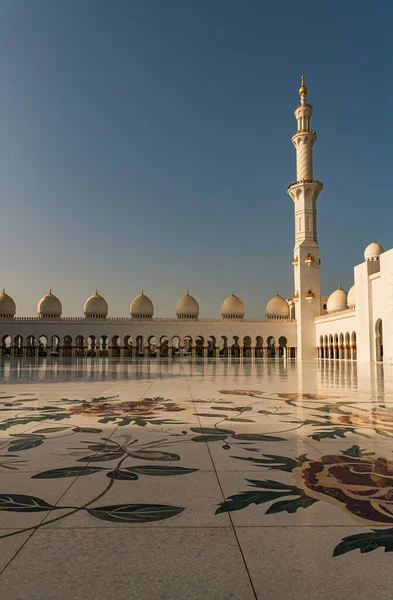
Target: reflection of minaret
pixel 304 193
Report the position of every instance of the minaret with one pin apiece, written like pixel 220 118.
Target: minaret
pixel 304 193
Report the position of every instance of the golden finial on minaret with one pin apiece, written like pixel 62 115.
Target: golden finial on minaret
pixel 303 90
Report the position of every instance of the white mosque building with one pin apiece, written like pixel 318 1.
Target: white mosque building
pixel 354 325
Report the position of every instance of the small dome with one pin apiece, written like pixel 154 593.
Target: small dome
pixel 7 306
pixel 277 307
pixel 351 303
pixel 49 306
pixel 337 300
pixel 373 251
pixel 232 308
pixel 142 307
pixel 96 307
pixel 187 307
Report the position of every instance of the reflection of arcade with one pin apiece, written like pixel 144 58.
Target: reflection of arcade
pixel 378 341
pixel 338 374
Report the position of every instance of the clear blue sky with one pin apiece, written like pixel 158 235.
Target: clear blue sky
pixel 147 144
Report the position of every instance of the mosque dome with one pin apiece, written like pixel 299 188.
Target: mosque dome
pixel 142 307
pixel 373 251
pixel 96 307
pixel 49 306
pixel 7 306
pixel 337 300
pixel 351 298
pixel 232 308
pixel 277 307
pixel 187 307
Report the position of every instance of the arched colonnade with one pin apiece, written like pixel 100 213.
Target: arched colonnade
pixel 165 346
pixel 338 346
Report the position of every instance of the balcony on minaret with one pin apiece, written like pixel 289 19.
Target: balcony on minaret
pixel 310 295
pixel 309 259
pixel 295 260
pixel 311 131
pixel 319 183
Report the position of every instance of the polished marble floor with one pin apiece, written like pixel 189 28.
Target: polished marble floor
pixel 195 480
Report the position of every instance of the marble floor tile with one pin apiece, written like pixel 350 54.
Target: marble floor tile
pixel 329 436
pixel 235 455
pixel 373 445
pixel 164 564
pixel 275 498
pixel 10 545
pixel 25 501
pixel 178 442
pixel 194 497
pixel 73 450
pixel 297 563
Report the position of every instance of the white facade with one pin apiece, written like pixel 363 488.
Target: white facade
pixel 357 326
pixel 365 329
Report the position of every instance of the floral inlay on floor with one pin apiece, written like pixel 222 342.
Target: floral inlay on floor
pixel 150 436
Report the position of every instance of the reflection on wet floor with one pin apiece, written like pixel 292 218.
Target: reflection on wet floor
pixel 323 373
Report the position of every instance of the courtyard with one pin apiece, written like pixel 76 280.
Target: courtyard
pixel 200 479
